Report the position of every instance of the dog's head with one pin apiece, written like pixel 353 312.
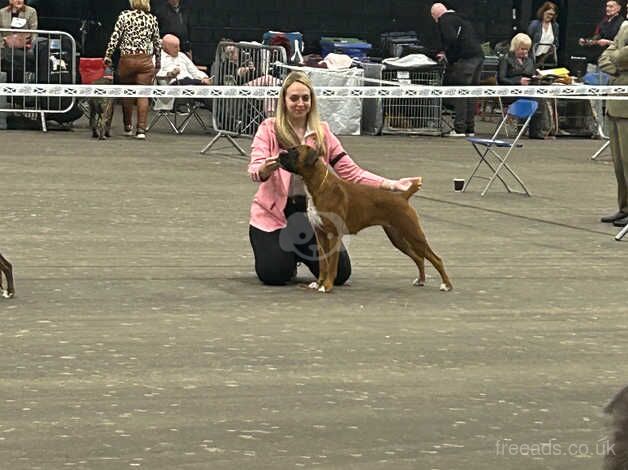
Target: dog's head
pixel 298 159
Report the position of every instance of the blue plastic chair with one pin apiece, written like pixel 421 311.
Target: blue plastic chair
pixel 486 149
pixel 596 78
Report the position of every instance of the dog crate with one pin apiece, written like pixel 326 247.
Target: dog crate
pixel 421 116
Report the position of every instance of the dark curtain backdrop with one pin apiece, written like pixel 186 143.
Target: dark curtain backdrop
pixel 495 20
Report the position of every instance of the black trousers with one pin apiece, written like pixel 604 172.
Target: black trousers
pixel 277 253
pixel 464 72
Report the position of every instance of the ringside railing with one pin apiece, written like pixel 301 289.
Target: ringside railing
pixel 49 59
pixel 244 64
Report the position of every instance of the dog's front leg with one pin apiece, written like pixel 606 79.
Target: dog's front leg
pixel 324 258
pixel 108 117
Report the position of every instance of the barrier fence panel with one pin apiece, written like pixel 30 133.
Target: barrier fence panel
pixel 37 57
pixel 244 64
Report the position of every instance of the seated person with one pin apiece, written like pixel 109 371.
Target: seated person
pixel 607 29
pixel 17 15
pixel 176 67
pixel 518 68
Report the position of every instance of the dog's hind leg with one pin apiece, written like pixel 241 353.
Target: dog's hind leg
pixel 437 262
pixel 7 270
pixel 400 242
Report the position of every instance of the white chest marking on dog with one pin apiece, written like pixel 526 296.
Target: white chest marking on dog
pixel 312 214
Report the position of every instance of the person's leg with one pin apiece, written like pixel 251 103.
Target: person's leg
pixel 188 81
pixel 126 72
pixel 456 77
pixel 273 265
pixel 145 76
pixel 476 67
pixel 620 161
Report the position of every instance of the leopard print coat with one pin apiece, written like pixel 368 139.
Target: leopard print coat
pixel 135 32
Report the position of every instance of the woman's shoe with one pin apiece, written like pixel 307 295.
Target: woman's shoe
pixel 140 134
pixel 128 131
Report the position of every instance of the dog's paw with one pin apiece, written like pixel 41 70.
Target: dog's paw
pixel 313 285
pixel 418 282
pixel 445 287
pixel 323 290
pixel 6 294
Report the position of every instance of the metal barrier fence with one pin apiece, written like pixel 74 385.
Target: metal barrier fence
pixel 244 64
pixel 49 58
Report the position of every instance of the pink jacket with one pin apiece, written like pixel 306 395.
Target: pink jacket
pixel 271 197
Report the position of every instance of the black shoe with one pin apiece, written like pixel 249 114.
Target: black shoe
pixel 621 222
pixel 612 218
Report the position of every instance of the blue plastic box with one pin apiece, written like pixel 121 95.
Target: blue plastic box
pixel 353 47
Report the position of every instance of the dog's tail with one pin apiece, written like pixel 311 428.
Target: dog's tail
pixel 414 187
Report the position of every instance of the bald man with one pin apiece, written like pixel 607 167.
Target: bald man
pixel 461 48
pixel 177 67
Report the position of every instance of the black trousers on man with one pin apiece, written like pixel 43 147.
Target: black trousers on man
pixel 464 72
pixel 277 253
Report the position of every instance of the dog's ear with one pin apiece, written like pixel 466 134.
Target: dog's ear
pixel 311 156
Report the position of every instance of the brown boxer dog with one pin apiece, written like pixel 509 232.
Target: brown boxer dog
pixel 7 270
pixel 337 207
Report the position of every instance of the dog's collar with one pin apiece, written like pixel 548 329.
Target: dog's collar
pixel 324 178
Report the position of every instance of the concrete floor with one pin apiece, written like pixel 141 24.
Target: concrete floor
pixel 141 338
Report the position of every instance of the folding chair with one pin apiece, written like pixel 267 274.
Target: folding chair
pixel 164 108
pixel 522 110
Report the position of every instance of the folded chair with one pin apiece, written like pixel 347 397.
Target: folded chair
pixel 494 152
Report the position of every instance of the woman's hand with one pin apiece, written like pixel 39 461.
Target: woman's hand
pixel 525 81
pixel 268 167
pixel 402 184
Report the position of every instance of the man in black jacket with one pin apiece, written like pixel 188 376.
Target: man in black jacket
pixel 461 48
pixel 174 19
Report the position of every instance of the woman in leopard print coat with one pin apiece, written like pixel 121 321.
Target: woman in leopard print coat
pixel 136 34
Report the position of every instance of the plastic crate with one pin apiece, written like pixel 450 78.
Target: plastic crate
pixel 353 47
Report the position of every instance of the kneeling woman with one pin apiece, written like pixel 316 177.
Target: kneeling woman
pixel 280 233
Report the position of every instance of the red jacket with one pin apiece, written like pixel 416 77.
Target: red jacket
pixel 271 197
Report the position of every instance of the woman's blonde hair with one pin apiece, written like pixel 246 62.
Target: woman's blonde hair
pixel 547 6
pixel 520 40
pixel 143 5
pixel 286 135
